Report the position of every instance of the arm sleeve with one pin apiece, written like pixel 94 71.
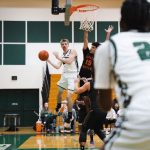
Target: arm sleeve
pixel 103 67
pixel 85 52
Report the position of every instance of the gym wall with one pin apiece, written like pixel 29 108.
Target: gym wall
pixel 26 31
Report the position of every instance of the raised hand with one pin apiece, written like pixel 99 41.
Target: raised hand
pixel 110 28
pixel 108 31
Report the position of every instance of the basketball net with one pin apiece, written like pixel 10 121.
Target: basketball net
pixel 87 20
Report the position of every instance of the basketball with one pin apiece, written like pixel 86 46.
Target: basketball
pixel 43 55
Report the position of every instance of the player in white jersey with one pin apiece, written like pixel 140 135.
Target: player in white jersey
pixel 69 74
pixel 124 61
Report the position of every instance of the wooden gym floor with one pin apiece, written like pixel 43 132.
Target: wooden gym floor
pixel 28 139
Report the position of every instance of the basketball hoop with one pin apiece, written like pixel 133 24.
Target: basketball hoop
pixel 86 25
pixel 87 15
pixel 84 8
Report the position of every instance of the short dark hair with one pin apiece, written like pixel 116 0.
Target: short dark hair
pixel 96 44
pixel 64 40
pixel 135 14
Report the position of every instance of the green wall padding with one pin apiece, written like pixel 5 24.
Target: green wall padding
pixel 14 54
pixel 60 31
pixel 101 26
pixel 0 31
pixel 14 31
pixel 38 31
pixel 20 101
pixel 0 54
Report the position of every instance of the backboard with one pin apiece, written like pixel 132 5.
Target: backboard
pixel 67 12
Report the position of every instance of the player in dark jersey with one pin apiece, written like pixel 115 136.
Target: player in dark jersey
pixel 87 68
pixel 87 72
pixel 95 118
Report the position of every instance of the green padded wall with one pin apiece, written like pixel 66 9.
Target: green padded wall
pixel 0 54
pixel 60 31
pixel 38 31
pixel 101 26
pixel 31 96
pixel 78 34
pixel 14 31
pixel 20 101
pixel 0 31
pixel 31 104
pixel 14 100
pixel 14 54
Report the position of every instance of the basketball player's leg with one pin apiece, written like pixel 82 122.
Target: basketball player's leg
pixel 82 114
pixel 70 104
pixel 98 131
pixel 85 126
pixel 69 98
pixel 62 85
pixel 70 81
pixel 59 98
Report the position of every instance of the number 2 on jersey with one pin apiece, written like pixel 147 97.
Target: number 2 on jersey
pixel 143 50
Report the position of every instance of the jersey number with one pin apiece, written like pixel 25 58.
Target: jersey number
pixel 88 62
pixel 143 50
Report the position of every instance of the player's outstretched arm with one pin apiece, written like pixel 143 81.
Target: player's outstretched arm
pixel 108 31
pixel 82 89
pixel 85 39
pixel 56 66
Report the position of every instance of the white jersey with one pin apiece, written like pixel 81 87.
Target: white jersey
pixel 130 60
pixel 69 68
pixel 127 55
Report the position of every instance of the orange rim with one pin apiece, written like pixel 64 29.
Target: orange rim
pixel 84 8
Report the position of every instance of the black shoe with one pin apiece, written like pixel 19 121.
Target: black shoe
pixel 48 131
pixel 58 107
pixel 81 147
pixel 72 131
pixel 68 119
